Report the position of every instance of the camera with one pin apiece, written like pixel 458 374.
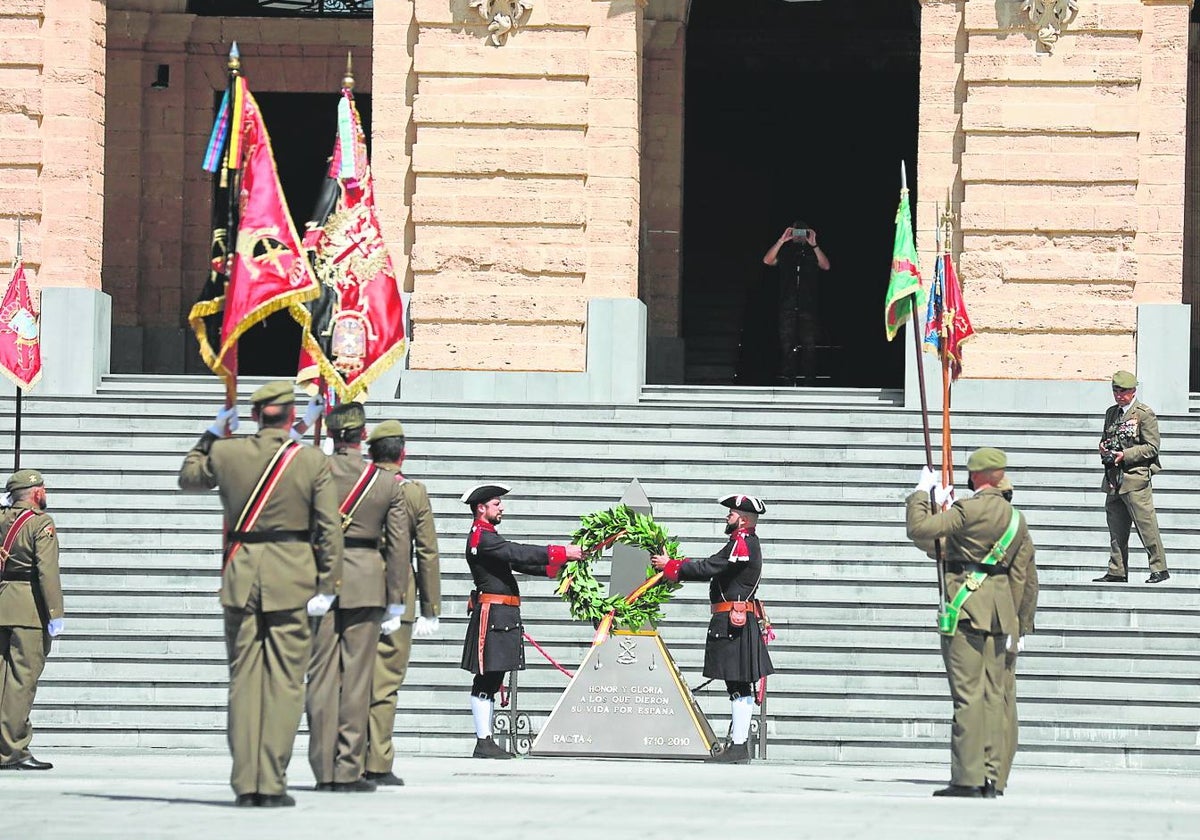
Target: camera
pixel 1108 457
pixel 799 233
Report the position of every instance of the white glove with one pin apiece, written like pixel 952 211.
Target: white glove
pixel 390 626
pixel 295 435
pixel 942 495
pixel 425 627
pixel 928 480
pixel 226 417
pixel 1020 644
pixel 55 627
pixel 319 604
pixel 313 411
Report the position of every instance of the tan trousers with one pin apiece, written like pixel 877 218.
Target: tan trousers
pixel 1127 510
pixel 1006 751
pixel 391 665
pixel 268 652
pixel 23 652
pixel 975 667
pixel 339 692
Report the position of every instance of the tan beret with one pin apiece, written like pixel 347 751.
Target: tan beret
pixel 274 393
pixel 987 458
pixel 386 429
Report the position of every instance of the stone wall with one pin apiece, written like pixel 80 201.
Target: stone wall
pixel 52 90
pixel 520 166
pixel 1067 168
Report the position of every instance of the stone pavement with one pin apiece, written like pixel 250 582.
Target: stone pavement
pixel 182 796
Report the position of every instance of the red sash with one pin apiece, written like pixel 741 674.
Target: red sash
pixel 357 493
pixel 267 483
pixel 11 536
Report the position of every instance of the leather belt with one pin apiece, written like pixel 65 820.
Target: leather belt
pixel 969 568
pixel 507 600
pixel 362 542
pixel 730 606
pixel 252 537
pixel 17 575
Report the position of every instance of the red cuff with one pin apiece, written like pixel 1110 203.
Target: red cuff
pixel 671 570
pixel 557 555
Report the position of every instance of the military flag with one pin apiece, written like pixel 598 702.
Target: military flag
pixel 20 332
pixel 947 324
pixel 357 327
pixel 904 287
pixel 258 264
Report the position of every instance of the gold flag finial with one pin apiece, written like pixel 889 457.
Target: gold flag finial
pixel 234 64
pixel 348 79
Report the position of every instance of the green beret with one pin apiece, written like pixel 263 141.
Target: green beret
pixel 1124 380
pixel 386 429
pixel 23 480
pixel 350 415
pixel 987 458
pixel 281 392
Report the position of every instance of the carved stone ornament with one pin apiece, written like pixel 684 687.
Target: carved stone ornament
pixel 503 16
pixel 1050 16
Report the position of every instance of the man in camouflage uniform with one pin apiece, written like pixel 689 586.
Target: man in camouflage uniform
pixel 31 612
pixel 1129 452
pixel 973 649
pixel 386 446
pixel 283 559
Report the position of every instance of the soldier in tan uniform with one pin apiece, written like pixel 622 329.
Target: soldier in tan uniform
pixel 992 577
pixel 282 559
pixel 375 575
pixel 31 612
pixel 386 443
pixel 1129 452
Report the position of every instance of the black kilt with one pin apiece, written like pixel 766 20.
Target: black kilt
pixel 736 654
pixel 504 647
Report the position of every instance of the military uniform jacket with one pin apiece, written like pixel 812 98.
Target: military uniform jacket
pixel 34 554
pixel 1135 429
pixel 288 573
pixel 736 654
pixel 372 577
pixel 492 562
pixel 426 583
pixel 970 528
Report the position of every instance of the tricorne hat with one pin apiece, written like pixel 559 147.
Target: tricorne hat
pixel 484 493
pixel 987 458
pixel 744 503
pixel 279 392
pixel 386 429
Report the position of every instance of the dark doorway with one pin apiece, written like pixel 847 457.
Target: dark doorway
pixel 795 111
pixel 302 128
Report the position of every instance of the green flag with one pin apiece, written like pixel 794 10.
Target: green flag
pixel 905 283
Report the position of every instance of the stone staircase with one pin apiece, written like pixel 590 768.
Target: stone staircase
pixel 1109 680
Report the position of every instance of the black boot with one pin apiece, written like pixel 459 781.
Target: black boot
pixel 1108 577
pixel 487 748
pixel 387 778
pixel 357 786
pixel 989 789
pixel 1158 577
pixel 965 791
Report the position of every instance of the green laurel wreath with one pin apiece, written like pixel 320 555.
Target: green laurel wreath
pixel 579 587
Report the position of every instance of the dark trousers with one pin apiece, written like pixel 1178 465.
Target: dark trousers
pixel 797 345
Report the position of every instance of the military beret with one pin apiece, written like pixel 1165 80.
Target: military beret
pixel 484 493
pixel 274 393
pixel 23 480
pixel 386 429
pixel 1124 380
pixel 742 502
pixel 348 415
pixel 987 458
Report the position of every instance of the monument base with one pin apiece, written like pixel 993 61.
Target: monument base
pixel 627 700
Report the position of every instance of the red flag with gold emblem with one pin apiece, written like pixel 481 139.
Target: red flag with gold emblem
pixel 357 330
pixel 263 269
pixel 20 333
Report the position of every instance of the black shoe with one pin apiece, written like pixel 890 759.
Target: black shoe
pixel 1158 577
pixel 326 786
pixel 487 748
pixel 1111 578
pixel 246 800
pixel 276 800
pixel 966 791
pixel 999 793
pixel 388 779
pixel 357 786
pixel 27 763
pixel 733 754
pixel 988 790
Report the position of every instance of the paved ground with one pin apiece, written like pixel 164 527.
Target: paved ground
pixel 173 795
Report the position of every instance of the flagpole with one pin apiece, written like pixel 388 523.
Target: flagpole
pixel 229 180
pixel 17 407
pixel 917 347
pixel 946 222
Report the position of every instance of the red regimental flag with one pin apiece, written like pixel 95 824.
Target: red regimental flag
pixel 359 334
pixel 956 323
pixel 20 333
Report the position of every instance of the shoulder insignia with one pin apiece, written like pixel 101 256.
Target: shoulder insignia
pixel 48 530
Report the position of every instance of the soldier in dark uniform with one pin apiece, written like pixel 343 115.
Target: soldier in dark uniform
pixel 386 443
pixel 494 644
pixel 735 650
pixel 283 559
pixel 986 597
pixel 375 574
pixel 31 612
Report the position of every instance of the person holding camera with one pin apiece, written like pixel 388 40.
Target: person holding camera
pixel 1129 452
pixel 800 259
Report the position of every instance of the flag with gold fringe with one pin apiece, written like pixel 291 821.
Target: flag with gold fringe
pixel 20 332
